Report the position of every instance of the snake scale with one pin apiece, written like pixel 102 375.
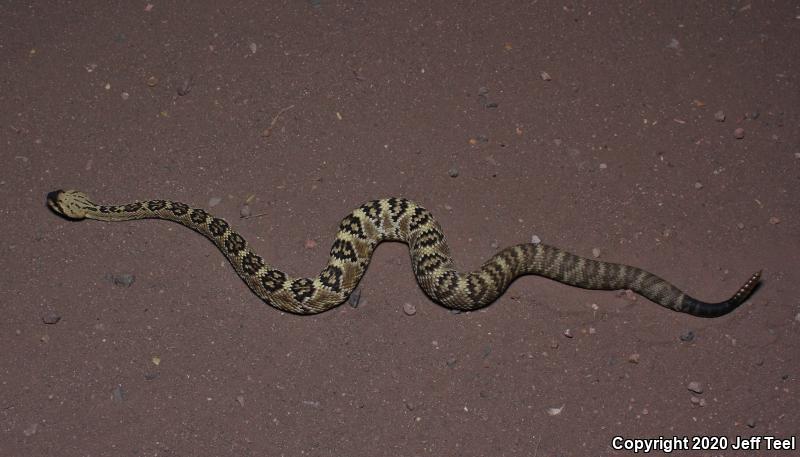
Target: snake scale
pixel 398 219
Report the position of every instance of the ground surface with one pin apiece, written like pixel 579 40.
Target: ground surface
pixel 590 127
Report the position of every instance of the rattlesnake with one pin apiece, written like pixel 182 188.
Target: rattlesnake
pixel 398 219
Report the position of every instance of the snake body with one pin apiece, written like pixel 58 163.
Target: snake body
pixel 398 219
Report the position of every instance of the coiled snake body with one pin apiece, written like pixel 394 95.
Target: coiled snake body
pixel 398 219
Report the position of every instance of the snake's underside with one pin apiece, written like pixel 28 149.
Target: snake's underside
pixel 398 219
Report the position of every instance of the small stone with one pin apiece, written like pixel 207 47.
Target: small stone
pixel 753 115
pixel 453 172
pixel 740 226
pixel 451 361
pixel 688 336
pixel 152 81
pixel 125 95
pixel 698 185
pixel 150 376
pixel 245 211
pixel 568 333
pixel 553 344
pixel 595 252
pixel 185 87
pixel 695 387
pixel 629 295
pixel 751 422
pixel 494 244
pixel 555 411
pixel 492 105
pixel 31 430
pixel 355 298
pixel 603 166
pixel 51 318
pixel 118 394
pixel 535 239
pixel 214 201
pixel 253 48
pixel 545 76
pixel 310 244
pixel 797 155
pixel 719 116
pixel 240 400
pixel 634 358
pixel 774 220
pixel 797 317
pixel 695 400
pixel 409 309
pixel 483 91
pixel 738 133
pixel 123 280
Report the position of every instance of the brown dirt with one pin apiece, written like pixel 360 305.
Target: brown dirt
pixel 385 99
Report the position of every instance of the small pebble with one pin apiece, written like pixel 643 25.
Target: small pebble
pixel 31 430
pixel 185 87
pixel 150 376
pixel 797 317
pixel 545 76
pixel 797 155
pixel 240 400
pixel 553 344
pixel 118 394
pixel 535 239
pixel 555 411
pixel 603 166
pixel 595 252
pixel 740 226
pixel 451 361
pixel 51 318
pixel 409 309
pixel 568 333
pixel 688 336
pixel 719 116
pixel 695 387
pixel 698 185
pixel 753 115
pixel 245 211
pixel 354 298
pixel 629 295
pixel 152 81
pixel 634 358
pixel 738 133
pixel 123 280
pixel 751 422
pixel 774 220
pixel 214 201
pixel 125 95
pixel 483 91
pixel 453 172
pixel 492 105
pixel 310 244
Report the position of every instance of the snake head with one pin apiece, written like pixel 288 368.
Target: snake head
pixel 70 204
